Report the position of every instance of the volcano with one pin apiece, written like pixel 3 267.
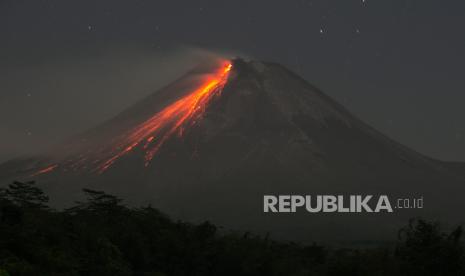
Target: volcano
pixel 211 144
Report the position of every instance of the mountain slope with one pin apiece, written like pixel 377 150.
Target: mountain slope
pixel 258 129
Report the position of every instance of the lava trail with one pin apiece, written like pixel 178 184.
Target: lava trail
pixel 45 170
pixel 151 134
pixel 173 119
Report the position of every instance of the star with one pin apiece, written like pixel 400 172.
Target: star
pixel 89 27
pixel 321 31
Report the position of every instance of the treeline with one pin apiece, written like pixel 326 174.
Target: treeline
pixel 103 237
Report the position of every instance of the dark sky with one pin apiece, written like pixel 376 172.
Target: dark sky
pixel 68 65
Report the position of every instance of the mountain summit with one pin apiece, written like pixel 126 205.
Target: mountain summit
pixel 211 144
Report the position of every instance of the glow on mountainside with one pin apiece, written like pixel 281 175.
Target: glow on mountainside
pixel 151 134
pixel 172 119
pixel 45 170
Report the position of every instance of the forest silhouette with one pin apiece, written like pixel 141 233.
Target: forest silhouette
pixel 102 236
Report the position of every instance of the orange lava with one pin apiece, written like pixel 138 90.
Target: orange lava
pixel 45 170
pixel 174 118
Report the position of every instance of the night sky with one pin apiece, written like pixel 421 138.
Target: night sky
pixel 68 65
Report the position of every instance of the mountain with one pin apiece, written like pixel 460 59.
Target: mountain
pixel 211 144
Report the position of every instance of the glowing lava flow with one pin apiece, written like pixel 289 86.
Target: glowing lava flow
pixel 45 170
pixel 154 132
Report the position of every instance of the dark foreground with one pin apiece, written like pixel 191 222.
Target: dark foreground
pixel 103 237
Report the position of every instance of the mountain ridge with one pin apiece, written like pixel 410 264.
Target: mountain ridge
pixel 266 131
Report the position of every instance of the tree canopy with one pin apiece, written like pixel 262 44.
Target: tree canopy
pixel 102 236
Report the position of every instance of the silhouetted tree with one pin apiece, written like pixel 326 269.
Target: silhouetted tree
pixel 101 236
pixel 98 200
pixel 25 194
pixel 423 249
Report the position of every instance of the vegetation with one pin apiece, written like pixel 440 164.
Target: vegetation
pixel 103 237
